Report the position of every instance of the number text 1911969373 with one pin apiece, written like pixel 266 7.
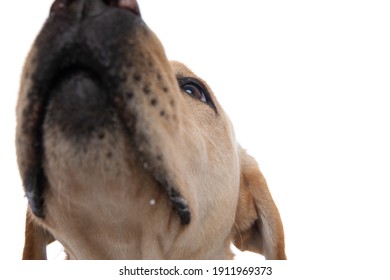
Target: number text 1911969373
pixel 234 271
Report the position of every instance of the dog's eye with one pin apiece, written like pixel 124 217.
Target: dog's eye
pixel 195 91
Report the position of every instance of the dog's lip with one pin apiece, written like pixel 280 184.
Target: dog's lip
pixel 67 64
pixel 68 71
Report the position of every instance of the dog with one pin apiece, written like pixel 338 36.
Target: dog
pixel 125 155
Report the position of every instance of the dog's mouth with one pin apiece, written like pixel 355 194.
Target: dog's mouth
pixel 80 79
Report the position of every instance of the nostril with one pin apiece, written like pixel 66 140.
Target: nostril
pixel 60 4
pixel 131 5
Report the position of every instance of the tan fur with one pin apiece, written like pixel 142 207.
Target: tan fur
pixel 36 240
pixel 258 225
pixel 102 200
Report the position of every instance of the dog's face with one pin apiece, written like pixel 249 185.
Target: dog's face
pixel 124 154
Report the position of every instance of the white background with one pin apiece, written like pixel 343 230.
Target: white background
pixel 307 86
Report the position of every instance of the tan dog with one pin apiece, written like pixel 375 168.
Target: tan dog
pixel 124 155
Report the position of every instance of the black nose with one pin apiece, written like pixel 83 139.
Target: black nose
pixel 83 9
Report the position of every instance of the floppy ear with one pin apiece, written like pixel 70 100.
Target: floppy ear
pixel 258 225
pixel 36 240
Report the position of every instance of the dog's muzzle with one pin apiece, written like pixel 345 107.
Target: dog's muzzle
pixel 93 50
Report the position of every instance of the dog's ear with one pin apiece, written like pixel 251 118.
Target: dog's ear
pixel 258 226
pixel 36 239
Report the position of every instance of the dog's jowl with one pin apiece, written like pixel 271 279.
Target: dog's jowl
pixel 125 155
